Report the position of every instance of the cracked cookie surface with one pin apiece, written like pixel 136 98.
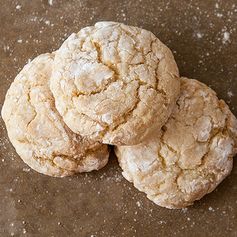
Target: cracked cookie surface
pixel 37 130
pixel 192 153
pixel 114 83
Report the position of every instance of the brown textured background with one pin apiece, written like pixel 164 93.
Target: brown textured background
pixel 202 35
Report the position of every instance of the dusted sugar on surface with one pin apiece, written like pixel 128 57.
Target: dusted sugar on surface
pixel 38 132
pixel 190 156
pixel 114 83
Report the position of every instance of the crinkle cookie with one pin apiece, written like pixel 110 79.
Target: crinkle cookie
pixel 114 83
pixel 38 132
pixel 191 155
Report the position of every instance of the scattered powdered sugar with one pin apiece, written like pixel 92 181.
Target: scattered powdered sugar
pixel 211 209
pixel 138 204
pixel 6 48
pixel 199 35
pixel 26 169
pixel 219 15
pixel 184 210
pixel 18 7
pixel 230 94
pixel 47 22
pixel 161 222
pixel 226 37
pixel 50 2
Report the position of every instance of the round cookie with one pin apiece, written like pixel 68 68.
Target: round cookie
pixel 114 83
pixel 190 156
pixel 38 132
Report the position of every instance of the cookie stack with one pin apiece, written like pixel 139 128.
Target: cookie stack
pixel 112 84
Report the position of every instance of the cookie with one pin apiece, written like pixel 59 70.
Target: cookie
pixel 114 83
pixel 38 132
pixel 190 156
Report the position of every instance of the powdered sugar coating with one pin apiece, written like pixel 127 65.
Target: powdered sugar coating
pixel 38 132
pixel 192 154
pixel 114 83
